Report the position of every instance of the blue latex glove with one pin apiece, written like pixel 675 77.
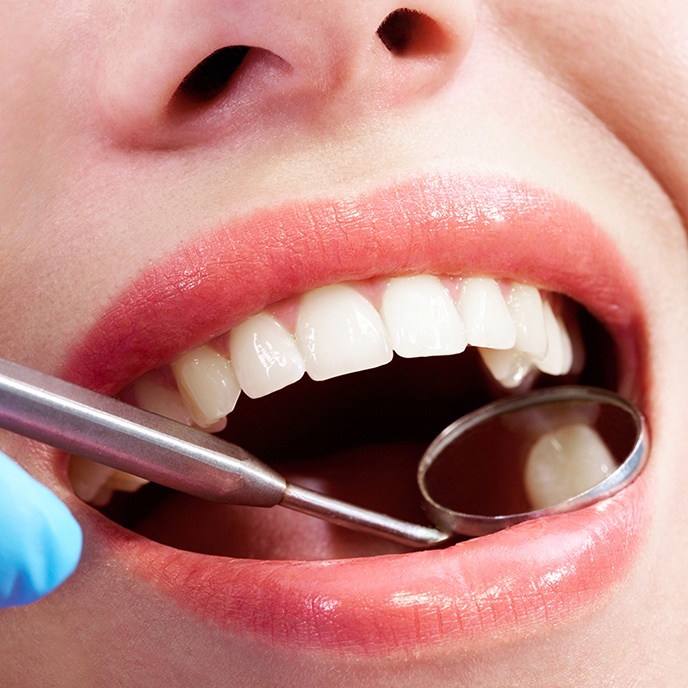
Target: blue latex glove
pixel 40 541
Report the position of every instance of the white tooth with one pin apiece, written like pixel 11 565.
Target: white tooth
pixel 559 356
pixel 565 462
pixel 525 305
pixel 87 477
pixel 509 367
pixel 264 356
pixel 339 332
pixel 421 318
pixel 125 482
pixel 485 314
pixel 155 398
pixel 207 384
pixel 102 498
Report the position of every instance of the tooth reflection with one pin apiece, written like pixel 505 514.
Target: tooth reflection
pixel 564 463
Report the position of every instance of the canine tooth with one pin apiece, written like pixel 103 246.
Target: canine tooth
pixel 155 398
pixel 421 318
pixel 559 356
pixel 525 305
pixel 339 332
pixel 87 477
pixel 485 314
pixel 510 367
pixel 207 384
pixel 264 356
pixel 565 462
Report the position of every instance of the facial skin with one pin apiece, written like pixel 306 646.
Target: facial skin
pixel 108 168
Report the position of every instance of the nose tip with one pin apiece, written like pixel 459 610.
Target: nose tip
pixel 239 63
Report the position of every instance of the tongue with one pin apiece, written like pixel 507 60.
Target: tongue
pixel 376 477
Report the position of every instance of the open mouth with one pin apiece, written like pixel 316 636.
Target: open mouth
pixel 303 306
pixel 342 388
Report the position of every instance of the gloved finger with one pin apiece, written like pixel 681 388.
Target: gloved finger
pixel 40 541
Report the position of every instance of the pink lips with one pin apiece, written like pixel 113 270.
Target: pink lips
pixel 532 574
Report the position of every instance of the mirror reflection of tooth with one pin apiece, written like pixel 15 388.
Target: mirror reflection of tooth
pixel 421 318
pixel 265 356
pixel 87 477
pixel 509 367
pixel 525 305
pixel 564 463
pixel 207 384
pixel 485 314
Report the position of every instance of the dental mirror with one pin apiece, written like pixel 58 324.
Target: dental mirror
pixel 543 452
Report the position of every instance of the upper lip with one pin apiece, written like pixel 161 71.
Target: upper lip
pixel 440 225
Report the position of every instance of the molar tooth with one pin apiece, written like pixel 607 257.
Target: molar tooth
pixel 339 332
pixel 559 356
pixel 421 318
pixel 565 462
pixel 509 367
pixel 125 482
pixel 264 355
pixel 87 477
pixel 485 314
pixel 525 305
pixel 207 384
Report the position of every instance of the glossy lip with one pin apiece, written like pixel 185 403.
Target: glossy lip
pixel 528 576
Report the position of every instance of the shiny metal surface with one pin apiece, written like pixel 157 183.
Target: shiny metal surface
pixel 474 525
pixel 129 439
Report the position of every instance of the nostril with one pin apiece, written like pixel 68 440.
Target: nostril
pixel 211 76
pixel 406 32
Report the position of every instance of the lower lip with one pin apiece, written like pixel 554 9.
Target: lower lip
pixel 529 576
pixel 526 578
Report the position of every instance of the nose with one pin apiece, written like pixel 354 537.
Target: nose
pixel 176 71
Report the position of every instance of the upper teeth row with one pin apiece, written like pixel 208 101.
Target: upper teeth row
pixel 343 328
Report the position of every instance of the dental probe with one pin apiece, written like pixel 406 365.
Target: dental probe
pixel 110 432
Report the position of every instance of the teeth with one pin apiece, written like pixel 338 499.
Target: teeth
pixel 265 356
pixel 339 332
pixel 88 478
pixel 421 318
pixel 512 367
pixel 527 311
pixel 565 462
pixel 336 330
pixel 156 398
pixel 485 314
pixel 207 384
pixel 559 356
pixel 509 367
